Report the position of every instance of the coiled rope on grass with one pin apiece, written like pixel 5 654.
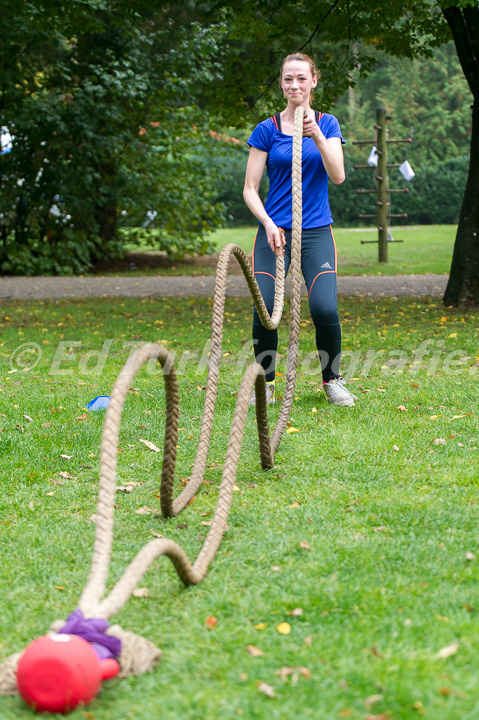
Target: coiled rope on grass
pixel 139 654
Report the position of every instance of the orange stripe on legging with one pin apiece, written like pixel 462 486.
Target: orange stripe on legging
pixel 335 250
pixel 317 276
pixel 260 272
pixel 335 263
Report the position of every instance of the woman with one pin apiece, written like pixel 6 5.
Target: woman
pixel 271 145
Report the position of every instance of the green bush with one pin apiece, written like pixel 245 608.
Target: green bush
pixel 73 255
pixel 435 194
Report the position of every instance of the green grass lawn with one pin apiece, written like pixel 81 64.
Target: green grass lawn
pixel 368 521
pixel 425 249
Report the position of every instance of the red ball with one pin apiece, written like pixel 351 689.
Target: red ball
pixel 58 672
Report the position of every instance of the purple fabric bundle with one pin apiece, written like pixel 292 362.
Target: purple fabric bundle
pixel 93 631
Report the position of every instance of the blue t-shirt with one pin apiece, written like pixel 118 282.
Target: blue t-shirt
pixel 316 211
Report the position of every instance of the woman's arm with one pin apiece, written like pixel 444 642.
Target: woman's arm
pixel 331 150
pixel 254 173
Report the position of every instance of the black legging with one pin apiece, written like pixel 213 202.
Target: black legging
pixel 318 264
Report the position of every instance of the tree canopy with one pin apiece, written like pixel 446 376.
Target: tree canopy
pixel 101 100
pixel 110 102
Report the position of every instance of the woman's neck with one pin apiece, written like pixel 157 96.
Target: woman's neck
pixel 288 112
pixel 287 117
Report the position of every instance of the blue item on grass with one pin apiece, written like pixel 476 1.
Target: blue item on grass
pixel 99 403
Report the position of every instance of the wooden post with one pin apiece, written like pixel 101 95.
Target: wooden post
pixel 383 182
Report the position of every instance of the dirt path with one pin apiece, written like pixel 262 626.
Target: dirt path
pixel 40 288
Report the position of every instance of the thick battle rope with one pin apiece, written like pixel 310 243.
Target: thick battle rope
pixel 139 654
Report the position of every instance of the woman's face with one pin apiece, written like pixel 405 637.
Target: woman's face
pixel 297 81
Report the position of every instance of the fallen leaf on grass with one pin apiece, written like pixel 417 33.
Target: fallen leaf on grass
pixel 266 689
pixel 380 528
pixel 439 441
pixel 448 650
pixel 450 691
pixel 140 592
pixel 67 476
pixel 67 457
pixel 435 417
pixel 401 408
pixel 372 700
pixel 469 555
pixel 27 417
pixel 260 626
pixel 395 447
pixel 308 640
pixel 149 445
pixel 206 523
pixel 382 716
pixel 254 651
pixel 211 622
pixel 276 568
pixel 93 518
pixel 345 713
pixel 454 417
pixel 157 535
pixel 145 510
pixel 57 482
pixel 286 671
pixel 296 612
pixel 283 628
pixel 82 417
pixel 128 487
pixel 303 544
pixel 292 430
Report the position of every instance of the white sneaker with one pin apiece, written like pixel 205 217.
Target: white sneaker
pixel 270 399
pixel 337 393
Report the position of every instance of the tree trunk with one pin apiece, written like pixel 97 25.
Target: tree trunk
pixel 107 217
pixel 463 285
